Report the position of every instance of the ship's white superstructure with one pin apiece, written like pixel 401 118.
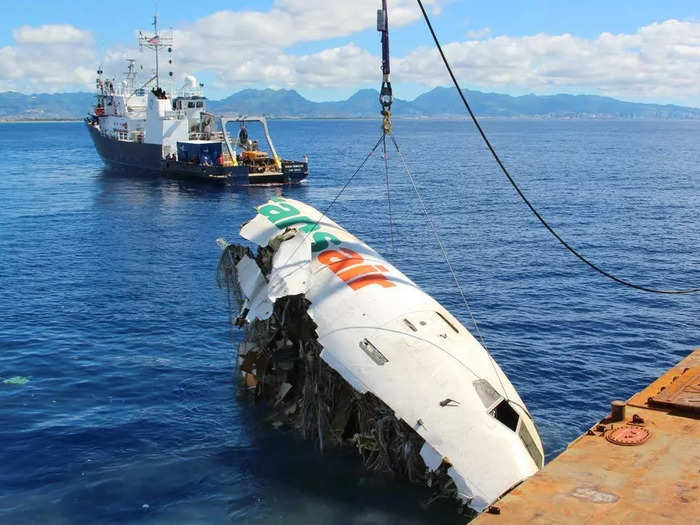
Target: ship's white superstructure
pixel 140 125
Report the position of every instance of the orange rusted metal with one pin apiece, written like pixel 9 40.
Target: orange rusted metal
pixel 683 393
pixel 681 379
pixel 628 435
pixel 596 481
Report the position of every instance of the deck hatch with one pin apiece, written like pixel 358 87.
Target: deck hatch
pixel 683 393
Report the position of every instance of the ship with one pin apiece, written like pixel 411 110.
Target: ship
pixel 140 126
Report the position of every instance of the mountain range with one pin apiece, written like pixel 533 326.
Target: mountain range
pixel 439 102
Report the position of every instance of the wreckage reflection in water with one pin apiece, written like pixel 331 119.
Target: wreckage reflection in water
pixel 349 350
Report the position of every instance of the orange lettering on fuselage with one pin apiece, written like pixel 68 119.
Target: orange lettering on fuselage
pixel 374 278
pixel 337 261
pixel 347 265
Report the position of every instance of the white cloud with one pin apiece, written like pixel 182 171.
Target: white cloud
pixel 292 21
pixel 659 60
pixel 248 46
pixel 47 58
pixel 257 48
pixel 51 34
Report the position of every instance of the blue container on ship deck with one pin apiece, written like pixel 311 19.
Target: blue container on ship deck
pixel 199 151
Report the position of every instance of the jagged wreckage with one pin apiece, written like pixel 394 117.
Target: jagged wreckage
pixel 351 351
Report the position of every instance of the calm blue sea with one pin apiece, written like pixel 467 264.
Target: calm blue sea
pixel 109 306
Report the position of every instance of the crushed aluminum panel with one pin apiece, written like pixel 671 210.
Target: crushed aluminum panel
pixel 291 268
pixel 254 287
pixel 427 355
pixel 246 347
pixel 430 456
pixel 259 230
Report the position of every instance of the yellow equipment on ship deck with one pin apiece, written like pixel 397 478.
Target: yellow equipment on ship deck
pixel 253 155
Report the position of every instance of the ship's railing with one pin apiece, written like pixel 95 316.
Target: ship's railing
pixel 174 115
pixel 196 135
pixel 123 135
pixel 210 135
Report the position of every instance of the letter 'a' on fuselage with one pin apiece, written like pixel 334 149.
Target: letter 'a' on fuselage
pixel 386 336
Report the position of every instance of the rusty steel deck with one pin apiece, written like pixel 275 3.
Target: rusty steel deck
pixel 643 469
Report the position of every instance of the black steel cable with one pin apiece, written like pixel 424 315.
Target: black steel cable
pixel 520 192
pixel 388 200
pixel 342 190
pixel 347 183
pixel 443 251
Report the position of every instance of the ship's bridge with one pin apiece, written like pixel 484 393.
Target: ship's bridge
pixel 191 105
pixel 189 102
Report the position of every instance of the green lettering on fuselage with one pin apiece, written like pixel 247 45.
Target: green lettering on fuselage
pixel 321 241
pixel 278 212
pixel 283 215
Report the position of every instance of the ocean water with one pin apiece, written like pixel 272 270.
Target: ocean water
pixel 109 306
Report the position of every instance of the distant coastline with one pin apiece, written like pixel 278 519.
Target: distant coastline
pixel 440 102
pixel 399 118
pixel 37 121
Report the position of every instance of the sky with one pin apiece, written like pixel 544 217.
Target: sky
pixel 643 50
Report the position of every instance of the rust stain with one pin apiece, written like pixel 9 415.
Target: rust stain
pixel 684 377
pixel 596 481
pixel 683 393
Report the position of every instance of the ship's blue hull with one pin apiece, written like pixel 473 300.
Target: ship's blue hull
pixel 144 157
pixel 120 154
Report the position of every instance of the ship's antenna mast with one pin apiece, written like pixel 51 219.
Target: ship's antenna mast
pixel 155 29
pixel 131 74
pixel 155 42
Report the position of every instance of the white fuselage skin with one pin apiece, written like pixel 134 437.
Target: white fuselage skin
pixel 418 356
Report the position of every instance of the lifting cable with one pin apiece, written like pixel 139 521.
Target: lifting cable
pixel 337 196
pixel 430 221
pixel 342 190
pixel 388 199
pixel 385 100
pixel 386 97
pixel 454 277
pixel 520 192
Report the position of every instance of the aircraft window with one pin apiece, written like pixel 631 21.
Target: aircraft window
pixel 506 415
pixel 529 443
pixel 496 404
pixel 488 395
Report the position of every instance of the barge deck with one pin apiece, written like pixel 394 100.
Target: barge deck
pixel 642 466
